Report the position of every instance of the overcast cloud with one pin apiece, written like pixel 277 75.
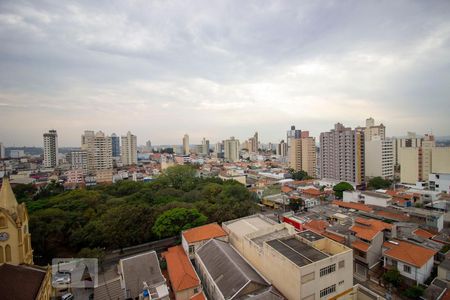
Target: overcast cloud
pixel 221 68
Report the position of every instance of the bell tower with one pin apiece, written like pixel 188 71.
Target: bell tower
pixel 15 239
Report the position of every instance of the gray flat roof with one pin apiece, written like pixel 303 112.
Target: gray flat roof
pixel 297 251
pixel 259 240
pixel 310 236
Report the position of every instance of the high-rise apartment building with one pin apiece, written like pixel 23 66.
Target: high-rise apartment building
pixel 99 150
pixel 51 149
pixel 410 141
pixel 148 145
pixel 218 150
pixel 78 160
pixel 129 149
pixel 115 140
pixel 186 144
pixel 231 150
pixel 2 151
pixel 290 135
pixel 371 130
pixel 253 143
pixel 342 154
pixel 379 158
pixel 302 154
pixel 282 148
pixel 205 147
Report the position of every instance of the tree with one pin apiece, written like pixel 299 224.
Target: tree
pixel 299 175
pixel 340 188
pixel 180 177
pixel 393 277
pixel 379 183
pixel 413 292
pixel 173 221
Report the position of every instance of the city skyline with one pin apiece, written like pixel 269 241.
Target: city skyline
pixel 222 69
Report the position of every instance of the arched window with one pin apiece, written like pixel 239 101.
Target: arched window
pixel 25 241
pixel 2 259
pixel 8 253
pixel 2 222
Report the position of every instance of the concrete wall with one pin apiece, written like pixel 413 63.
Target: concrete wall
pixel 441 160
pixel 409 165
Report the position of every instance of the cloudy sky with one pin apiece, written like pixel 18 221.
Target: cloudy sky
pixel 221 68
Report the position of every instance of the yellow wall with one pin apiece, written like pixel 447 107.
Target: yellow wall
pixel 441 160
pixel 409 165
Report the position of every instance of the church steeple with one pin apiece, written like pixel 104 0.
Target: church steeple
pixel 7 199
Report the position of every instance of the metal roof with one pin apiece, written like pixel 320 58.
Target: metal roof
pixel 297 251
pixel 228 269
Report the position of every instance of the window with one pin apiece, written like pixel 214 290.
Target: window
pixel 2 222
pixel 8 253
pixel 342 264
pixel 308 277
pixel 2 260
pixel 328 290
pixel 407 268
pixel 191 249
pixel 327 270
pixel 341 282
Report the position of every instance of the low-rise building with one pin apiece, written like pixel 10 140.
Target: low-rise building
pixel 193 238
pixel 318 267
pixel 439 182
pixel 183 279
pixel 368 198
pixel 25 282
pixel 226 274
pixel 414 262
pixel 140 275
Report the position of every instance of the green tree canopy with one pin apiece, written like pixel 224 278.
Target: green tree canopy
pixel 299 175
pixel 379 183
pixel 393 277
pixel 341 187
pixel 180 177
pixel 173 221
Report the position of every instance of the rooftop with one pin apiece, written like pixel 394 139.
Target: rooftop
pixel 259 240
pixel 204 232
pixel 310 235
pixel 375 194
pixel 297 251
pixel 368 228
pixel 246 225
pixel 423 233
pixel 352 205
pixel 20 282
pixel 181 272
pixel 407 252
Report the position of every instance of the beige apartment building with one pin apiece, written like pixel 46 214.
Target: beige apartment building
pixel 302 154
pixel 99 150
pixel 372 131
pixel 186 149
pixel 51 149
pixel 318 267
pixel 128 149
pixel 342 154
pixel 231 149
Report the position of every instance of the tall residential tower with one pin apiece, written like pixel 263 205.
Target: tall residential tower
pixel 51 149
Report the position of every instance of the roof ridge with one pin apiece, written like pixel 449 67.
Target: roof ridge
pixel 233 262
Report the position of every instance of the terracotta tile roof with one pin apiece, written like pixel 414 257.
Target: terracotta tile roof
pixel 317 226
pixel 286 189
pixel 205 232
pixel 368 228
pixel 392 215
pixel 199 296
pixel 181 273
pixel 423 233
pixel 409 253
pixel 353 205
pixel 300 182
pixel 360 245
pixel 334 237
pixel 312 192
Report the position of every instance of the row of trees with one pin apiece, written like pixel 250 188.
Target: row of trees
pixel 129 213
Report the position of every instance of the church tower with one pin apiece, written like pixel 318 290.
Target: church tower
pixel 15 239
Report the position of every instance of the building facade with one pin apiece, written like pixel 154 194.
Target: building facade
pixel 342 154
pixel 231 150
pixel 51 149
pixel 186 144
pixel 379 158
pixel 99 150
pixel 129 149
pixel 79 160
pixel 115 140
pixel 282 148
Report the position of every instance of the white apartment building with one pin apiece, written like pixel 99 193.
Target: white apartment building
pixel 318 267
pixel 439 182
pixel 231 150
pixel 51 149
pixel 379 158
pixel 99 150
pixel 128 149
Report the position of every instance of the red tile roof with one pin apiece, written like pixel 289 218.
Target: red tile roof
pixel 286 189
pixel 204 232
pixel 334 237
pixel 317 226
pixel 368 228
pixel 409 253
pixel 312 192
pixel 360 245
pixel 423 233
pixel 392 215
pixel 181 273
pixel 353 205
pixel 199 296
